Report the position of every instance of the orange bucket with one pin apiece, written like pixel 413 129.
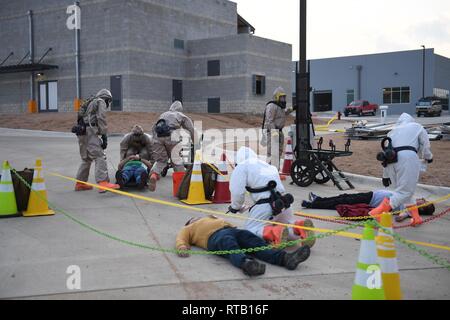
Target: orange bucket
pixel 177 177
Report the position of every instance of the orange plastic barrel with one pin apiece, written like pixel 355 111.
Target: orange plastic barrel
pixel 177 177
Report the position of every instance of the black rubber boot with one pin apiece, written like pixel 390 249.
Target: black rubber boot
pixel 252 267
pixel 119 179
pixel 144 178
pixel 293 259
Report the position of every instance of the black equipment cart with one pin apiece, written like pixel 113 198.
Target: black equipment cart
pixel 317 166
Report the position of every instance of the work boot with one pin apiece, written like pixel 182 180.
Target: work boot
pixel 82 187
pixel 275 234
pixel 312 196
pixel 402 216
pixel 251 267
pixel 304 234
pixel 385 206
pixel 153 178
pixel 416 220
pixel 119 179
pixel 143 182
pixel 107 184
pixel 293 259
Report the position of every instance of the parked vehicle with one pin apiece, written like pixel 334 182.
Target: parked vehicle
pixel 429 107
pixel 361 107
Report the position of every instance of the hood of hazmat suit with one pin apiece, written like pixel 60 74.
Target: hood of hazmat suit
pixel 175 119
pixel 279 92
pixel 176 106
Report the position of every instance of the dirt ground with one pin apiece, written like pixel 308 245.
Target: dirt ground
pixel 122 122
pixel 363 161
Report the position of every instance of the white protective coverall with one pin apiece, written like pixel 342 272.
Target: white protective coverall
pixel 404 174
pixel 254 173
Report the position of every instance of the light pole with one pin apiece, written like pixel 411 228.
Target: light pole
pixel 423 71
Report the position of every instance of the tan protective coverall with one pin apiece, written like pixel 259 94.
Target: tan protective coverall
pixel 90 144
pixel 130 145
pixel 168 147
pixel 275 119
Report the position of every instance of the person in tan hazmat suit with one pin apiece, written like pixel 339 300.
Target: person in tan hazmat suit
pixel 136 143
pixel 274 122
pixel 92 140
pixel 166 137
pixel 135 158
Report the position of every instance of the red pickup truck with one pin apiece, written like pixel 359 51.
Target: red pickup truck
pixel 361 107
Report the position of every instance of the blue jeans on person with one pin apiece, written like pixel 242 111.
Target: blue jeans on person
pixel 233 238
pixel 131 172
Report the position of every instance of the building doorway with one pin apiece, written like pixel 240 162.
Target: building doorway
pixel 177 90
pixel 214 105
pixel 48 96
pixel 116 91
pixel 323 101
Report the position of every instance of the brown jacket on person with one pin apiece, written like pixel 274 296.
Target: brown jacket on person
pixel 198 233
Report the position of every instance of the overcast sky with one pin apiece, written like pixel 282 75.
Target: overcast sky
pixel 349 27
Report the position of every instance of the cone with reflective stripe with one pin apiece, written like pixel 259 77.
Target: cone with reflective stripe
pixel 196 193
pixel 387 258
pixel 288 159
pixel 222 188
pixel 8 205
pixel 368 283
pixel 37 203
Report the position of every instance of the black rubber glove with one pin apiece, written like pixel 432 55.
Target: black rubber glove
pixel 386 182
pixel 430 161
pixel 232 210
pixel 104 142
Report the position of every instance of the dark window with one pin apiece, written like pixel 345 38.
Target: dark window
pixel 214 105
pixel 396 95
pixel 178 44
pixel 405 94
pixel 387 95
pixel 213 68
pixel 350 96
pixel 259 85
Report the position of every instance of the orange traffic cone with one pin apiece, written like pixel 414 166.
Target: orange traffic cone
pixel 196 193
pixel 288 159
pixel 222 188
pixel 8 205
pixel 37 203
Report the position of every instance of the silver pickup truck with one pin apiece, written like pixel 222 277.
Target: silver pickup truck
pixel 429 108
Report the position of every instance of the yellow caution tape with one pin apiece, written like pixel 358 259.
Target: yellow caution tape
pixel 208 211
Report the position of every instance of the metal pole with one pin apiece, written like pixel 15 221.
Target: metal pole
pixel 423 71
pixel 302 88
pixel 77 58
pixel 359 68
pixel 31 58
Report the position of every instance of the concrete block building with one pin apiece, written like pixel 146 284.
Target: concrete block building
pixel 395 79
pixel 147 52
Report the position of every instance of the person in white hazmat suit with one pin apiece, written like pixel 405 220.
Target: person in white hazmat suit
pixel 409 140
pixel 252 174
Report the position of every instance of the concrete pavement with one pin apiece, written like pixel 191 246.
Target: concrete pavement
pixel 36 252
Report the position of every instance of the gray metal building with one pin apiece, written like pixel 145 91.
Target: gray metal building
pixel 148 52
pixel 394 79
